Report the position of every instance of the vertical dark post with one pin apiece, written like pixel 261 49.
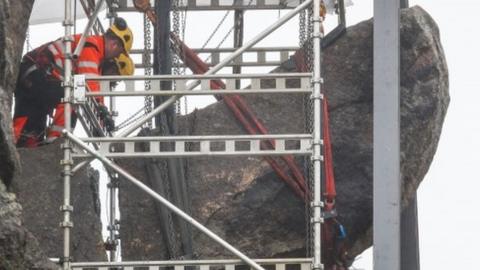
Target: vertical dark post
pixel 162 63
pixel 410 254
pixel 166 122
pixel 238 40
pixel 410 251
pixel 341 13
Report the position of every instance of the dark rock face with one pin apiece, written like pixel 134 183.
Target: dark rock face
pixel 18 248
pixel 13 25
pixel 247 205
pixel 39 188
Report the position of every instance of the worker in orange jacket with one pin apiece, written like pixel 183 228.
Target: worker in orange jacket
pixel 39 86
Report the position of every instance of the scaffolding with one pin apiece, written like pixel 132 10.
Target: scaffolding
pixel 77 95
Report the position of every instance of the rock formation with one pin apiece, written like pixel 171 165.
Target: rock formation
pixel 39 188
pixel 18 248
pixel 247 205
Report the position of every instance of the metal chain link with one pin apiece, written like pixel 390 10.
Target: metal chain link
pixel 184 70
pixel 179 25
pixel 305 42
pixel 147 61
pixel 301 26
pixel 175 58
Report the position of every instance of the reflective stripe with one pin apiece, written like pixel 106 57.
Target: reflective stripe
pixel 60 46
pixel 87 64
pixel 28 71
pixel 55 128
pixel 51 139
pixel 53 50
pixel 59 62
pixel 91 74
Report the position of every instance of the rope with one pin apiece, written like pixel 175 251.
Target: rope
pixel 134 117
pixel 226 35
pixel 216 29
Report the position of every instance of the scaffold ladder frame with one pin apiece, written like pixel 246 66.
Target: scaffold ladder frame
pixel 69 99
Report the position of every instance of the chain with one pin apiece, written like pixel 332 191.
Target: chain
pixel 147 61
pixel 309 35
pixel 301 26
pixel 184 69
pixel 179 25
pixel 305 42
pixel 175 58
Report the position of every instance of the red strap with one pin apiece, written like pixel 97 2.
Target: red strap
pixel 248 120
pixel 330 192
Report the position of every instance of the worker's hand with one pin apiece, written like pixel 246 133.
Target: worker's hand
pixel 109 124
pixel 142 5
pixel 106 118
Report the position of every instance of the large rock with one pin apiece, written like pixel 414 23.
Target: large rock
pixel 13 25
pixel 246 204
pixel 18 248
pixel 39 188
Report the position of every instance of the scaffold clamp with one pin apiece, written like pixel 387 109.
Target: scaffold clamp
pixel 79 89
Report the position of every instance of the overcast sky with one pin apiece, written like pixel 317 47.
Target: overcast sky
pixel 448 199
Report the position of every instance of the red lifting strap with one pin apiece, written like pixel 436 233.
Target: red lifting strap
pixel 330 191
pixel 247 118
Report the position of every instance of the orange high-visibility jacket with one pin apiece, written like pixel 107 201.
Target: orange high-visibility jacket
pixel 88 61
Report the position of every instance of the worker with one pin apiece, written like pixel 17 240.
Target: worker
pixel 39 85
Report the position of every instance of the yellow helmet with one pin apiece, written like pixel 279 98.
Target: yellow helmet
pixel 123 32
pixel 125 65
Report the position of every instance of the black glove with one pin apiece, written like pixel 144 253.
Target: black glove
pixel 109 123
pixel 106 118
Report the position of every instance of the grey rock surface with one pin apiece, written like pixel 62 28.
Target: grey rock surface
pixel 39 188
pixel 18 247
pixel 244 202
pixel 13 25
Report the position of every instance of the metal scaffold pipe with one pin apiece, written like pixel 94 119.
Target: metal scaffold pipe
pixel 88 28
pixel 163 201
pixel 317 138
pixel 67 161
pixel 219 66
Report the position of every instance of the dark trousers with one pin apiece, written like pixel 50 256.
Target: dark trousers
pixel 36 95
